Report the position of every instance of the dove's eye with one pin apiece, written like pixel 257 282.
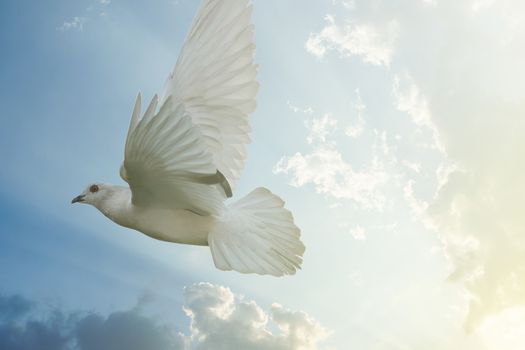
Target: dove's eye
pixel 93 189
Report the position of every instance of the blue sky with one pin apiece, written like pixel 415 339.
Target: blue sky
pixel 391 128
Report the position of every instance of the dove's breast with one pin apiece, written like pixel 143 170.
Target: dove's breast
pixel 177 226
pixel 170 225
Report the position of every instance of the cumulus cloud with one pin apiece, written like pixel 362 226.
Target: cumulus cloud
pixel 13 307
pixel 219 320
pixel 373 44
pixel 125 330
pixel 417 206
pixel 327 170
pixel 325 167
pixel 469 90
pixel 505 331
pixel 24 327
pixel 409 99
pixel 321 128
pixel 479 221
pixel 16 333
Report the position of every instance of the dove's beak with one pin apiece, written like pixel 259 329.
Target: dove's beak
pixel 78 199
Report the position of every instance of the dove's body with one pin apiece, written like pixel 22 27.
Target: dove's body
pixel 183 157
pixel 169 225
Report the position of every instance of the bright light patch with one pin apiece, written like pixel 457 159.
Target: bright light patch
pixel 505 330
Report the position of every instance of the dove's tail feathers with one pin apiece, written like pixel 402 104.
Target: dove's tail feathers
pixel 257 235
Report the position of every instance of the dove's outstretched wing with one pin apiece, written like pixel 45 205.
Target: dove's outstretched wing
pixel 189 154
pixel 166 163
pixel 214 78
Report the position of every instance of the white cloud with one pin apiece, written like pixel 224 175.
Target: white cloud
pixel 417 206
pixel 356 130
pixel 320 128
pixel 505 330
pixel 296 109
pixel 326 169
pixel 476 214
pixel 473 209
pixel 26 325
pixel 463 84
pixel 408 98
pixel 331 175
pixel 374 45
pixel 221 320
pixel 358 233
pixel 77 23
pixel 470 87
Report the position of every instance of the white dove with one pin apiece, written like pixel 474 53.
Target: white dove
pixel 181 161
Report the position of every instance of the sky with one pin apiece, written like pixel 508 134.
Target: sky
pixel 392 129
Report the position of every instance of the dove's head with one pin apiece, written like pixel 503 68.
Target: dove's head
pixel 93 194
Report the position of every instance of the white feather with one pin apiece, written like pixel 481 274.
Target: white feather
pixel 167 164
pixel 257 235
pixel 215 80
